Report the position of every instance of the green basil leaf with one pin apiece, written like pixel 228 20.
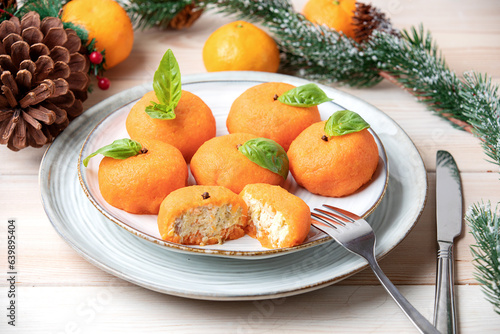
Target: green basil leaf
pixel 160 111
pixel 267 154
pixel 119 149
pixel 167 87
pixel 304 96
pixel 343 122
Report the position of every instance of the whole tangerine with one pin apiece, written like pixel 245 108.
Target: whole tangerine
pixel 332 166
pixel 336 14
pixel 258 111
pixel 107 22
pixel 219 162
pixel 240 46
pixel 139 184
pixel 193 125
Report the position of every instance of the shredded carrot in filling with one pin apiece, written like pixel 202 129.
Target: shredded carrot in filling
pixel 207 221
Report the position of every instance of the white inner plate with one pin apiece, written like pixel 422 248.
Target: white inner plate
pixel 219 95
pixel 119 252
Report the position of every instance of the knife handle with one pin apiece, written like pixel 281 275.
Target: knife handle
pixel 444 308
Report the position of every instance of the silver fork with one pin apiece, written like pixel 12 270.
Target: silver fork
pixel 356 235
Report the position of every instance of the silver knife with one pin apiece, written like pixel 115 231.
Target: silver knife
pixel 449 226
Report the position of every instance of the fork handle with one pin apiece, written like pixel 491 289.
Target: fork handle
pixel 444 308
pixel 423 325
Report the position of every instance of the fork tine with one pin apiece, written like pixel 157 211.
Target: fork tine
pixel 322 220
pixel 337 218
pixel 346 214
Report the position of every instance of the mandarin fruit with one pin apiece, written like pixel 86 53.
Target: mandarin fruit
pixel 202 215
pixel 219 162
pixel 336 166
pixel 257 111
pixel 336 14
pixel 193 125
pixel 277 218
pixel 139 184
pixel 240 46
pixel 107 22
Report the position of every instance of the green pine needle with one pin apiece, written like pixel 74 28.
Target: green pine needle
pixel 480 104
pixel 485 227
pixel 8 12
pixel 44 8
pixel 81 32
pixel 149 13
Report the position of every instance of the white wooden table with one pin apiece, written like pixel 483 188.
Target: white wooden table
pixel 59 292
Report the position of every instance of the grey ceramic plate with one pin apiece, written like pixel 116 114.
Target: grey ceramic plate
pixel 115 250
pixel 112 127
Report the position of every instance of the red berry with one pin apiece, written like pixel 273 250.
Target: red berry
pixel 95 57
pixel 103 83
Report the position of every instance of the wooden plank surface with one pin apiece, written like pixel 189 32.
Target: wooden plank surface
pixel 59 292
pixel 335 309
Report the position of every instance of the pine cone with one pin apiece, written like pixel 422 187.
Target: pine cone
pixel 186 17
pixel 366 19
pixel 44 80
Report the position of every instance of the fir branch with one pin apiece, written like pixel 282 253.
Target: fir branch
pixel 471 103
pixel 44 8
pixel 414 62
pixel 150 13
pixel 481 105
pixel 485 227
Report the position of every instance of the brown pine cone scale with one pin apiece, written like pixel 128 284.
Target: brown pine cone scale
pixel 186 17
pixel 367 19
pixel 43 78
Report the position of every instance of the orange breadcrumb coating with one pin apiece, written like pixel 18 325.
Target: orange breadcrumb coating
pixel 218 162
pixel 257 111
pixel 193 125
pixel 336 167
pixel 139 184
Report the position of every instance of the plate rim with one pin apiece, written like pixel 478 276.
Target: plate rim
pixel 80 249
pixel 131 96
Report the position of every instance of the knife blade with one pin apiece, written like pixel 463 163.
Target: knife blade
pixel 449 225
